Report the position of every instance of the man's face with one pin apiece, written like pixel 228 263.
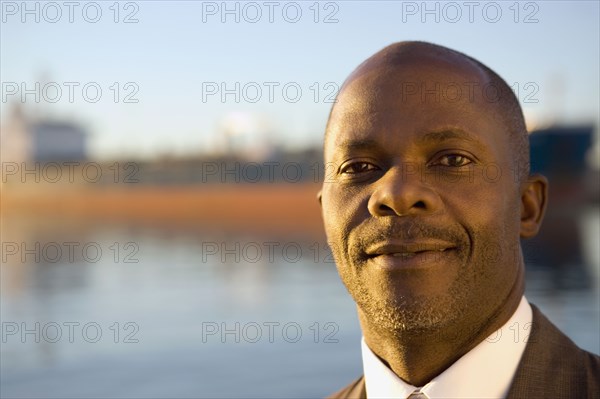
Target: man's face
pixel 420 202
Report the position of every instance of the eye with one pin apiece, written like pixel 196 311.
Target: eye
pixel 354 168
pixel 454 160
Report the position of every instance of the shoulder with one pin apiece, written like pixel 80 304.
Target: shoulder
pixel 355 390
pixel 554 366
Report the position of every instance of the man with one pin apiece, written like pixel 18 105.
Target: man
pixel 427 192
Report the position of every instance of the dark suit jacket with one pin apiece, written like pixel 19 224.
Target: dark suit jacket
pixel 552 366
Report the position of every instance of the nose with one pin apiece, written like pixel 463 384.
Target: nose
pixel 401 192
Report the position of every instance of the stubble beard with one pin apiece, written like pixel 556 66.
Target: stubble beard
pixel 468 299
pixel 408 314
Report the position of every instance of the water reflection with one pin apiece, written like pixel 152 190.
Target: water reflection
pixel 190 303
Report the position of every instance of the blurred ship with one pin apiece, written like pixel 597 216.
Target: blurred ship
pixel 562 154
pixel 28 139
pixel 265 188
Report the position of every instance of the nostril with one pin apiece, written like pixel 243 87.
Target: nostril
pixel 385 208
pixel 419 204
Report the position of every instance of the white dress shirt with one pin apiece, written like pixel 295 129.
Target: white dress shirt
pixel 486 371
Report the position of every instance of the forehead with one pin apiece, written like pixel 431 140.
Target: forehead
pixel 412 99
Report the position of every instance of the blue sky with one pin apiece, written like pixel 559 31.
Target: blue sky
pixel 177 49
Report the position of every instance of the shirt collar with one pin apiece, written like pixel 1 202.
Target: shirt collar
pixel 486 371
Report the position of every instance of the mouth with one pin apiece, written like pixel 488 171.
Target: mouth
pixel 410 255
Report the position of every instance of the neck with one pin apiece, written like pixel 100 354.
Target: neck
pixel 418 357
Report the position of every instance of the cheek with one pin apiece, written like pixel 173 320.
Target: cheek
pixel 343 208
pixel 483 199
pixel 489 212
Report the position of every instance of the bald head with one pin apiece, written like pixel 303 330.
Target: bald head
pixel 433 73
pixel 425 203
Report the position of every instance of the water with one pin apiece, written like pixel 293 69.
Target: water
pixel 200 327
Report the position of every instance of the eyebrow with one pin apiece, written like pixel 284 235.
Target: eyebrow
pixel 366 144
pixel 438 136
pixel 431 137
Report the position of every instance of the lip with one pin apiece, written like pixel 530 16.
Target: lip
pixel 407 248
pixel 410 255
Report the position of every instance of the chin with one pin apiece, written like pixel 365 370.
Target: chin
pixel 417 316
pixel 404 314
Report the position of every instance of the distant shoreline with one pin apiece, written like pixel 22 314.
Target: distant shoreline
pixel 270 208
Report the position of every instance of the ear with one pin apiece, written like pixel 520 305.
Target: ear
pixel 320 196
pixel 534 198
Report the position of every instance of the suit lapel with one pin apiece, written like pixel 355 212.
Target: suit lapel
pixel 549 366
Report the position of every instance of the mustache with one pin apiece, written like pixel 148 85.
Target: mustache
pixel 375 231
